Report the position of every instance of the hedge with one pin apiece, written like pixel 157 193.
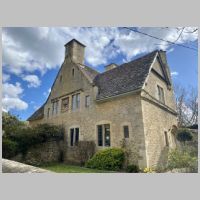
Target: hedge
pixel 9 148
pixel 107 159
pixel 27 136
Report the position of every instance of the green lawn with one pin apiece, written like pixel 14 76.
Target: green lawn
pixel 62 168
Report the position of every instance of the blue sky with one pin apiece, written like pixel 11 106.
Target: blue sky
pixel 33 56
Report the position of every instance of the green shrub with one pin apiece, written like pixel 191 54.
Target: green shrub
pixel 9 148
pixel 184 135
pixel 10 123
pixel 27 136
pixel 132 169
pixel 107 159
pixel 182 159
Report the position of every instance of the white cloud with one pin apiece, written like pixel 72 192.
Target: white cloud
pixel 36 107
pixel 46 94
pixel 11 97
pixel 33 80
pixel 42 48
pixel 174 73
pixel 5 77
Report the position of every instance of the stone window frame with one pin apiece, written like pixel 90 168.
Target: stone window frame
pixel 128 133
pixel 87 103
pixel 158 89
pixel 77 102
pixel 129 128
pixel 55 106
pixel 60 78
pixel 166 138
pixel 103 135
pixel 48 112
pixel 74 136
pixel 62 108
pixel 73 72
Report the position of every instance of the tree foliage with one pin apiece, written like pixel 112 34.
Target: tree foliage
pixel 187 105
pixel 184 135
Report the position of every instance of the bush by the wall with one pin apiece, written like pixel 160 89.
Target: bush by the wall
pixel 107 159
pixel 182 159
pixel 9 148
pixel 184 135
pixel 29 136
pixel 85 150
pixel 132 169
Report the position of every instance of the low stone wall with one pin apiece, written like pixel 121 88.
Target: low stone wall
pixel 42 153
pixel 9 166
pixel 79 153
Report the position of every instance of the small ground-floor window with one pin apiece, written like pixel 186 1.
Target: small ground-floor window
pixel 103 132
pixel 166 139
pixel 74 136
pixel 126 132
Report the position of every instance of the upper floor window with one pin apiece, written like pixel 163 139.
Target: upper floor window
pixel 87 101
pixel 161 94
pixel 74 136
pixel 65 104
pixel 73 72
pixel 55 108
pixel 103 132
pixel 126 132
pixel 75 102
pixel 60 78
pixel 48 112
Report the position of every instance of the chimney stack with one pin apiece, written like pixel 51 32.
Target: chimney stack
pixel 110 66
pixel 75 50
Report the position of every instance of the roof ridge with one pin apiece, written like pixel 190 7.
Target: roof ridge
pixel 141 57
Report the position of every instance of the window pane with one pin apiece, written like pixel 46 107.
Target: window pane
pixel 73 102
pixel 77 135
pixel 48 112
pixel 56 104
pixel 126 132
pixel 78 101
pixel 100 135
pixel 166 139
pixel 52 108
pixel 87 101
pixel 65 104
pixel 107 134
pixel 71 136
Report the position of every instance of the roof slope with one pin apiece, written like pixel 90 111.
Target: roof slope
pixel 125 78
pixel 88 72
pixel 38 114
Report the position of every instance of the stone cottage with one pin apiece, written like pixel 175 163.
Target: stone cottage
pixel 132 103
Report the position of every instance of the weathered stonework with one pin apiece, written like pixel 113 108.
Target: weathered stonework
pixel 47 152
pixel 140 110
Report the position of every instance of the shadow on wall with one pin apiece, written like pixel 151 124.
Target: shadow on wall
pixel 163 159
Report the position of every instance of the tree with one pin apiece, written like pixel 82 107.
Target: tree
pixel 10 123
pixel 184 135
pixel 187 105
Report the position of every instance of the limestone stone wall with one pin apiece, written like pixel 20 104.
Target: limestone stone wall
pixel 41 153
pixel 156 122
pixel 157 119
